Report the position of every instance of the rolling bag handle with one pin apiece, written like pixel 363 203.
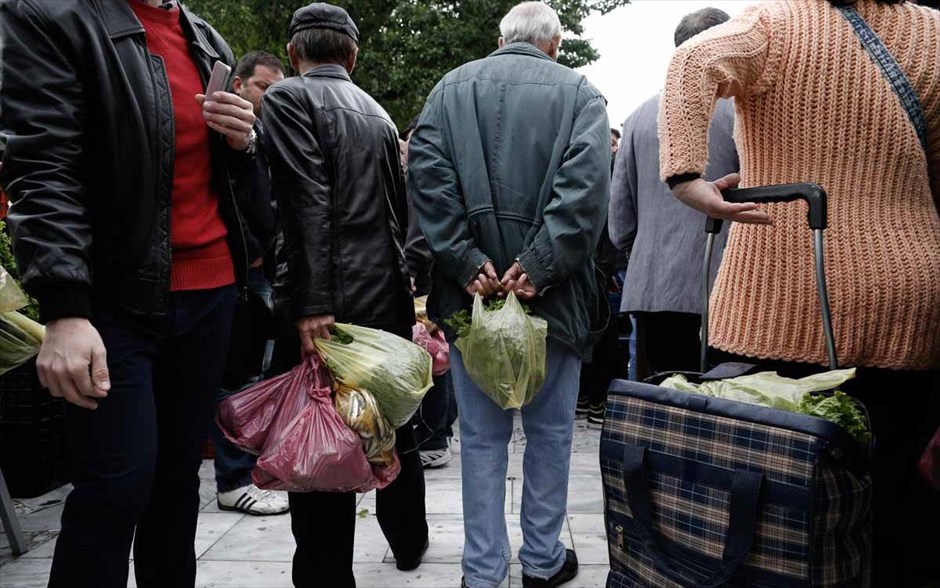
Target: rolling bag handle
pixel 815 198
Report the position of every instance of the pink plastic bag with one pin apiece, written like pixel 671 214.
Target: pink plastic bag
pixel 930 462
pixel 311 448
pixel 436 346
pixel 246 417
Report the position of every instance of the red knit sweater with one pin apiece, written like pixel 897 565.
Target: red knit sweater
pixel 201 257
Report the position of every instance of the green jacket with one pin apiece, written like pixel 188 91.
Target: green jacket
pixel 511 160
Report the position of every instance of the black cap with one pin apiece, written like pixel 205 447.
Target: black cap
pixel 321 15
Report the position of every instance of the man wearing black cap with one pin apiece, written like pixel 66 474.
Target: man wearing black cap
pixel 336 171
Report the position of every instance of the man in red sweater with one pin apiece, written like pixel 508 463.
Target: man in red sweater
pixel 127 232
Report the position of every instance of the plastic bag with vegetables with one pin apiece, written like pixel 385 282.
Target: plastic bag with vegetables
pixel 361 413
pixel 802 395
pixel 396 371
pixel 503 350
pixel 20 337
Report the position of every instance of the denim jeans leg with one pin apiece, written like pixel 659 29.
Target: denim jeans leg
pixel 232 465
pixel 548 422
pixel 485 432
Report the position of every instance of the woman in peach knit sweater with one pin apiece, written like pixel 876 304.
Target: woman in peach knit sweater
pixel 813 106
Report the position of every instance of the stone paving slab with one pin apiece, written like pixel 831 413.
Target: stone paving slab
pixel 239 551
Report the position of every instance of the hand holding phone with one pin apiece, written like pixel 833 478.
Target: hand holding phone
pixel 217 80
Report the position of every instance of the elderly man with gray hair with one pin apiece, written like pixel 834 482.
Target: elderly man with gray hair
pixel 509 170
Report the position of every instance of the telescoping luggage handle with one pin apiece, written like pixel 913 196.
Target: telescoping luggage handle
pixel 815 198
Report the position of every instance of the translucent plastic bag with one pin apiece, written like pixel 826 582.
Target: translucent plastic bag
pixel 397 372
pixel 311 449
pixel 436 346
pixel 504 352
pixel 245 418
pixel 361 413
pixel 20 336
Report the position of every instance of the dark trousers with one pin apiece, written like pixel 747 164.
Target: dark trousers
pixel 904 408
pixel 435 418
pixel 324 523
pixel 251 332
pixel 667 342
pixel 610 361
pixel 135 460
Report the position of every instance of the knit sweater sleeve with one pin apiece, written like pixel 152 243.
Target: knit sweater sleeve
pixel 738 58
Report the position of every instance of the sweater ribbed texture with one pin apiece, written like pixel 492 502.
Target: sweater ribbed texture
pixel 812 106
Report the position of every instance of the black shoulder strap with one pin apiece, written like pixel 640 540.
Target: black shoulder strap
pixel 890 69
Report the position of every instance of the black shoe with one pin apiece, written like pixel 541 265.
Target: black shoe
pixel 406 565
pixel 567 573
pixel 463 583
pixel 582 408
pixel 595 418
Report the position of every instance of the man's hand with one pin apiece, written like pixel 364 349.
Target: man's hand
pixel 706 197
pixel 314 327
pixel 72 362
pixel 230 115
pixel 516 281
pixel 486 283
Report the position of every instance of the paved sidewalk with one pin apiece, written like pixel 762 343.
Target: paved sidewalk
pixel 239 551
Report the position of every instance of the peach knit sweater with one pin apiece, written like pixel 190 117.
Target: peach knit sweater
pixel 812 106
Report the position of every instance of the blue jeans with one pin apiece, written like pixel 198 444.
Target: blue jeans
pixel 485 432
pixel 135 460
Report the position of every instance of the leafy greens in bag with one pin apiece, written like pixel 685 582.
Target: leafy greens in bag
pixel 802 395
pixel 396 371
pixel 503 350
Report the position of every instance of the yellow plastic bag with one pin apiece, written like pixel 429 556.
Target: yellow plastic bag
pixel 396 371
pixel 20 337
pixel 504 352
pixel 362 414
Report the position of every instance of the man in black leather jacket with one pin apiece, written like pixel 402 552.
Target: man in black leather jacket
pixel 126 230
pixel 338 180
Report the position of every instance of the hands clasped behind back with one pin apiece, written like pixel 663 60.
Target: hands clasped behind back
pixel 515 280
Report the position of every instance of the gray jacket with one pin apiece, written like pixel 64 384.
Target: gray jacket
pixel 665 238
pixel 511 160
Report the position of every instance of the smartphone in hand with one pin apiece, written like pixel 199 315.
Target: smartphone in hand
pixel 218 79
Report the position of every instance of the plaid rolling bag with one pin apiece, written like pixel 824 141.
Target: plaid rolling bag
pixel 703 492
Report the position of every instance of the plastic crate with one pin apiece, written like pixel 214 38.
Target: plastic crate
pixel 22 399
pixel 34 456
pixel 33 450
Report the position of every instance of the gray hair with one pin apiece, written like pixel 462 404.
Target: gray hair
pixel 530 22
pixel 697 22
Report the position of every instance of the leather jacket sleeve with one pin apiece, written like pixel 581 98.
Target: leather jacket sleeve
pixel 301 183
pixel 41 127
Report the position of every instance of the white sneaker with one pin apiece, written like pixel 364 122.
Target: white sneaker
pixel 436 458
pixel 254 501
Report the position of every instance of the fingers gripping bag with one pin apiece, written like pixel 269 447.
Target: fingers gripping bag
pixel 504 352
pixel 311 449
pixel 395 371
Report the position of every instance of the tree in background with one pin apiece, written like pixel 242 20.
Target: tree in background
pixel 406 45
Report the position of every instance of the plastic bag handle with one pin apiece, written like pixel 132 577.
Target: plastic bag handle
pixel 744 507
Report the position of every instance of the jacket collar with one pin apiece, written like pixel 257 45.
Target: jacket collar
pixel 120 20
pixel 328 70
pixel 521 49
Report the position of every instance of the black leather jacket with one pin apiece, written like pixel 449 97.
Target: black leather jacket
pixel 87 121
pixel 337 177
